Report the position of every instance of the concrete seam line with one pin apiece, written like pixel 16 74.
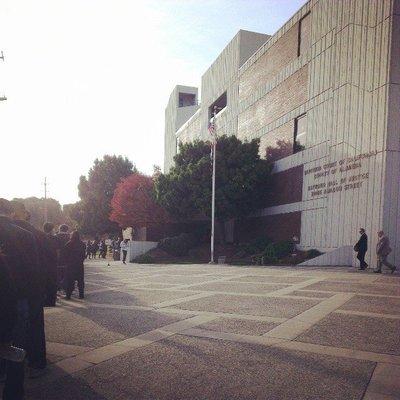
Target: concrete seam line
pixel 169 303
pixel 367 314
pixel 295 346
pixel 302 322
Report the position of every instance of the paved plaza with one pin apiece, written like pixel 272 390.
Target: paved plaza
pixel 224 332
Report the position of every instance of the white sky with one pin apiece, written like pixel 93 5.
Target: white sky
pixel 88 77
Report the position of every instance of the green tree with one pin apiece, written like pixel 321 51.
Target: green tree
pixel 96 191
pixel 36 206
pixel 242 180
pixel 73 214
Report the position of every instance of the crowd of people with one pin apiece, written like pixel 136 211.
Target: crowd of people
pixel 34 265
pixel 101 248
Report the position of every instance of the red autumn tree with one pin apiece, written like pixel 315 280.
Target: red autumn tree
pixel 133 203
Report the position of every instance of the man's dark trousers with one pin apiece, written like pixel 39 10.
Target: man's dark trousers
pixel 37 340
pixel 14 385
pixel 361 257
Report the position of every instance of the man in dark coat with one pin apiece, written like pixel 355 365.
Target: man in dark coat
pixel 62 238
pixel 21 255
pixel 51 260
pixel 8 303
pixel 361 248
pixel 37 341
pixel 383 249
pixel 74 256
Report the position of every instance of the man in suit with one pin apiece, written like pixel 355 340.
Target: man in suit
pixel 382 251
pixel 361 248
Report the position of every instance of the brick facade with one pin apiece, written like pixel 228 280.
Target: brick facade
pixel 270 64
pixel 290 94
pixel 274 227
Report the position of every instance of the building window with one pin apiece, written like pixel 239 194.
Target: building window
pixel 300 133
pixel 187 99
pixel 304 35
pixel 218 105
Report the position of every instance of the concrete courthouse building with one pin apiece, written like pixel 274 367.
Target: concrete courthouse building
pixel 324 90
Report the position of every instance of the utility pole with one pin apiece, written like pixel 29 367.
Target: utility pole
pixel 45 199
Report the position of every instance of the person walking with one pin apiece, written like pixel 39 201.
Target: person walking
pixel 124 248
pixel 382 251
pixel 74 257
pixel 361 248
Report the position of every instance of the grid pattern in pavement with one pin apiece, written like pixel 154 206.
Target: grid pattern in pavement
pixel 214 332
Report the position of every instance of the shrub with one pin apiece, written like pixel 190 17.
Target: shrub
pixel 276 251
pixel 144 259
pixel 283 248
pixel 178 245
pixel 257 245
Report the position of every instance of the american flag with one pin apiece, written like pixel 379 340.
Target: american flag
pixel 211 128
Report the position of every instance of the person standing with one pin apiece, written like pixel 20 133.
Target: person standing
pixel 51 265
pixel 21 256
pixel 94 248
pixel 74 257
pixel 103 249
pixel 382 251
pixel 36 350
pixel 116 249
pixel 88 251
pixel 124 248
pixel 361 248
pixel 62 238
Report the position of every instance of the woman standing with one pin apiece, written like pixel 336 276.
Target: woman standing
pixel 74 252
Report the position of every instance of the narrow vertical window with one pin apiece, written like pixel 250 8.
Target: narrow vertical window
pixel 300 133
pixel 304 35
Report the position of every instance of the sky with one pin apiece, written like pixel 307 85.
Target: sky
pixel 84 78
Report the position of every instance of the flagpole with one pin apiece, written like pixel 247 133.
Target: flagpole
pixel 214 147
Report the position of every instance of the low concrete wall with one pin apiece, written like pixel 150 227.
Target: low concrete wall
pixel 137 248
pixel 342 256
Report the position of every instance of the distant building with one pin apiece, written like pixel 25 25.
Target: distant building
pixel 326 87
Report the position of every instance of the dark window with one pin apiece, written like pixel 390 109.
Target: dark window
pixel 300 133
pixel 218 105
pixel 187 99
pixel 304 34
